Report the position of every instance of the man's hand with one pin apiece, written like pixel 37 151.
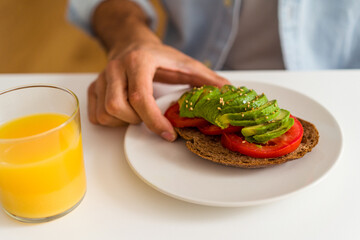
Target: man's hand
pixel 123 92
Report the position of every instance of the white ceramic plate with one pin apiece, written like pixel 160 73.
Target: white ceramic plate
pixel 172 169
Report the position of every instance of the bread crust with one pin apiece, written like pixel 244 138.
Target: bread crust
pixel 210 148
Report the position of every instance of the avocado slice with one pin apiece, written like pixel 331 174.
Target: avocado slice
pixel 227 88
pixel 208 104
pixel 263 138
pixel 256 121
pixel 267 111
pixel 246 104
pixel 188 102
pixel 265 127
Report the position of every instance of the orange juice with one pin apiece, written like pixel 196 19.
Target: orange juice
pixel 41 165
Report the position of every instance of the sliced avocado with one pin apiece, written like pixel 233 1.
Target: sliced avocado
pixel 182 99
pixel 188 103
pixel 256 102
pixel 229 98
pixel 227 88
pixel 208 93
pixel 241 98
pixel 208 104
pixel 262 119
pixel 256 121
pixel 263 110
pixel 189 100
pixel 263 138
pixel 266 118
pixel 265 127
pixel 262 114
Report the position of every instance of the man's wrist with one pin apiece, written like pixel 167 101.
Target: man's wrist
pixel 121 22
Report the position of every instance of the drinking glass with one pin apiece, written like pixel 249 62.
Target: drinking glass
pixel 42 175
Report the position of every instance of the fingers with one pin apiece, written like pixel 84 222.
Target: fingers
pixel 108 101
pixel 103 117
pixel 116 98
pixel 178 77
pixel 179 68
pixel 107 98
pixel 142 100
pixel 92 104
pixel 96 104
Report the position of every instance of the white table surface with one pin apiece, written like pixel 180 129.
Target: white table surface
pixel 118 205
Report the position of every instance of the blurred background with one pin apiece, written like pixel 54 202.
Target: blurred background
pixel 35 37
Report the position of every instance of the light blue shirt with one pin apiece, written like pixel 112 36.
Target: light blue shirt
pixel 314 34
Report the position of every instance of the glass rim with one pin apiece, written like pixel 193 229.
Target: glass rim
pixel 71 117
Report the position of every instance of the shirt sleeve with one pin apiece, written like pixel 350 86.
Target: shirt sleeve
pixel 79 13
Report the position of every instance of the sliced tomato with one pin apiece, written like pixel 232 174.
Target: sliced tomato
pixel 215 130
pixel 276 147
pixel 173 115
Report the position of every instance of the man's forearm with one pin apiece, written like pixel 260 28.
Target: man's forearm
pixel 118 23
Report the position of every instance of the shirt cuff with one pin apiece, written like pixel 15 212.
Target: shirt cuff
pixel 80 12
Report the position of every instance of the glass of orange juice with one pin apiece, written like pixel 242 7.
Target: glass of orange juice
pixel 42 175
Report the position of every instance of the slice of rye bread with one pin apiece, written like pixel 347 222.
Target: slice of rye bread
pixel 210 148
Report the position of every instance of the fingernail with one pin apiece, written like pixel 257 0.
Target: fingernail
pixel 168 136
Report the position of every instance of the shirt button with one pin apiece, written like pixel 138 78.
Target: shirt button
pixel 228 3
pixel 207 63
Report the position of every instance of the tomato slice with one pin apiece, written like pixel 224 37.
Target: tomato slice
pixel 173 115
pixel 276 147
pixel 215 130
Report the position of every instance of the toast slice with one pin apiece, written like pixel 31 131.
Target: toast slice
pixel 210 148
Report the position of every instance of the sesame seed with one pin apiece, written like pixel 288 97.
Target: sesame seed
pixel 243 141
pixel 191 109
pixel 242 115
pixel 219 108
pixel 245 94
pixel 240 94
pixel 186 106
pixel 191 104
pixel 208 99
pixel 266 117
pixel 186 101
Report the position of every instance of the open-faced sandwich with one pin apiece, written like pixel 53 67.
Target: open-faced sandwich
pixel 238 127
